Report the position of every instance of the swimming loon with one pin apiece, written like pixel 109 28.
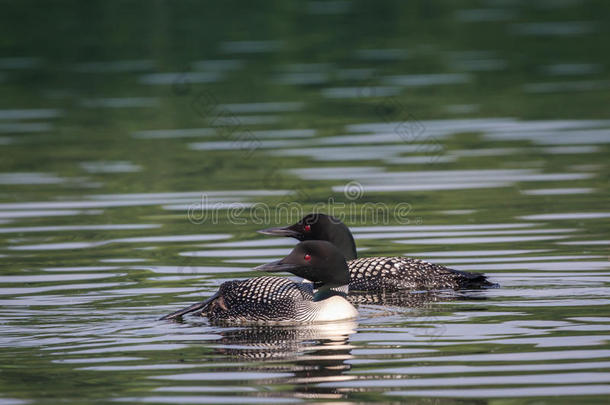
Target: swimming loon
pixel 279 300
pixel 378 273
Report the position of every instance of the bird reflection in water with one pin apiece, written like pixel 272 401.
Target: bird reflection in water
pixel 312 353
pixel 413 299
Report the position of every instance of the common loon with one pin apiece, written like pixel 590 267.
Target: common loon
pixel 378 273
pixel 279 300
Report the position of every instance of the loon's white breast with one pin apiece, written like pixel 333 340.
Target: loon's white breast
pixel 335 308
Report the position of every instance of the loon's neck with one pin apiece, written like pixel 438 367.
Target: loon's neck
pixel 340 236
pixel 325 292
pixel 330 305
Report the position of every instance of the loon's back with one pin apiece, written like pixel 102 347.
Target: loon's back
pixel 401 273
pixel 260 300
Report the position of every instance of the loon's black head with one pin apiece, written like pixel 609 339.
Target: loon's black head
pixel 317 261
pixel 319 227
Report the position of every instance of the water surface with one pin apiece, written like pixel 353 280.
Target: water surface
pixel 144 143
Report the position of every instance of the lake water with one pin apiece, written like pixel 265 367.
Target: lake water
pixel 144 143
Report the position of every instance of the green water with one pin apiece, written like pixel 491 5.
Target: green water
pixel 144 143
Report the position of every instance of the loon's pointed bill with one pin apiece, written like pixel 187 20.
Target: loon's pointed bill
pixel 281 231
pixel 184 311
pixel 276 266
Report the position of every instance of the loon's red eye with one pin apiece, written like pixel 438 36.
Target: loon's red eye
pixel 307 258
pixel 307 228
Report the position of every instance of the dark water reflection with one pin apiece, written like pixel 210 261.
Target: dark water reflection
pixel 143 143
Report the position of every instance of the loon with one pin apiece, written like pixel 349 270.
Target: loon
pixel 279 300
pixel 379 273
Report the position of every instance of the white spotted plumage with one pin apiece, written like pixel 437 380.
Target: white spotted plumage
pixel 400 273
pixel 274 300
